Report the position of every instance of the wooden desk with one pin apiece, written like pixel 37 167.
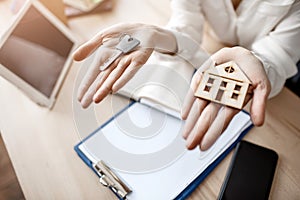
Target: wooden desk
pixel 40 142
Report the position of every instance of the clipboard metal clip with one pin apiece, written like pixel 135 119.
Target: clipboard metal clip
pixel 109 179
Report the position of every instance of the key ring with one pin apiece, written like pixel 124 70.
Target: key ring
pixel 125 45
pixel 123 35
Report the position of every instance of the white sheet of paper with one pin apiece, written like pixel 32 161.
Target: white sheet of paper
pixel 155 164
pixel 164 79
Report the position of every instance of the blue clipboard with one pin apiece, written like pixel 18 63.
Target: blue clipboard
pixel 186 192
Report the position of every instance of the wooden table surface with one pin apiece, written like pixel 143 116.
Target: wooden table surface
pixel 40 142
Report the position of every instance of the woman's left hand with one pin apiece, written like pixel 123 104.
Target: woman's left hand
pixel 205 120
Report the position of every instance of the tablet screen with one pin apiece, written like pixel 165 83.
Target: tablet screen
pixel 36 51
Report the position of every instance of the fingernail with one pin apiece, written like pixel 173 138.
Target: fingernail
pixel 75 56
pixel 84 104
pixel 205 145
pixel 183 115
pixel 114 90
pixel 184 134
pixel 79 98
pixel 97 98
pixel 85 101
pixel 189 142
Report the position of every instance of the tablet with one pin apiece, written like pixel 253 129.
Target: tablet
pixel 84 5
pixel 35 53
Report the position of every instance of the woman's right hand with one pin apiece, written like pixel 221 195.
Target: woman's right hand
pixel 96 84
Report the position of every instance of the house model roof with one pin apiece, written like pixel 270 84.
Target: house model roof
pixel 229 70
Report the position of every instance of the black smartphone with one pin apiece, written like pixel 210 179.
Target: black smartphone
pixel 250 174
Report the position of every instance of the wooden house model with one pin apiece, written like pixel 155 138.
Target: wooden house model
pixel 226 84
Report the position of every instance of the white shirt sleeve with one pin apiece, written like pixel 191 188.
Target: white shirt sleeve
pixel 279 51
pixel 186 23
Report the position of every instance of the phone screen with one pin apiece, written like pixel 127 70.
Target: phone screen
pixel 250 173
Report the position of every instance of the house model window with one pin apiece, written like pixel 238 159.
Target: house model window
pixel 226 84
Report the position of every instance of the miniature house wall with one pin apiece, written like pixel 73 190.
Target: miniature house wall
pixel 226 84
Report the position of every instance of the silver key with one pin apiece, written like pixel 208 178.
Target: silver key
pixel 126 44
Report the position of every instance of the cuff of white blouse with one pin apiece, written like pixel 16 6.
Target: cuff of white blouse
pixel 277 63
pixel 270 73
pixel 189 50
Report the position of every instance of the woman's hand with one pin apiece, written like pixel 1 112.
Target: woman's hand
pixel 96 84
pixel 205 120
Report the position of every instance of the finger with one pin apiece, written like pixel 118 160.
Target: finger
pixel 140 57
pixel 92 73
pixel 86 82
pixel 106 87
pixel 198 74
pixel 194 114
pixel 190 98
pixel 209 62
pixel 205 120
pixel 129 72
pixel 258 104
pixel 219 125
pixel 88 96
pixel 222 56
pixel 86 49
pixel 187 104
pixel 89 47
pixel 111 32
